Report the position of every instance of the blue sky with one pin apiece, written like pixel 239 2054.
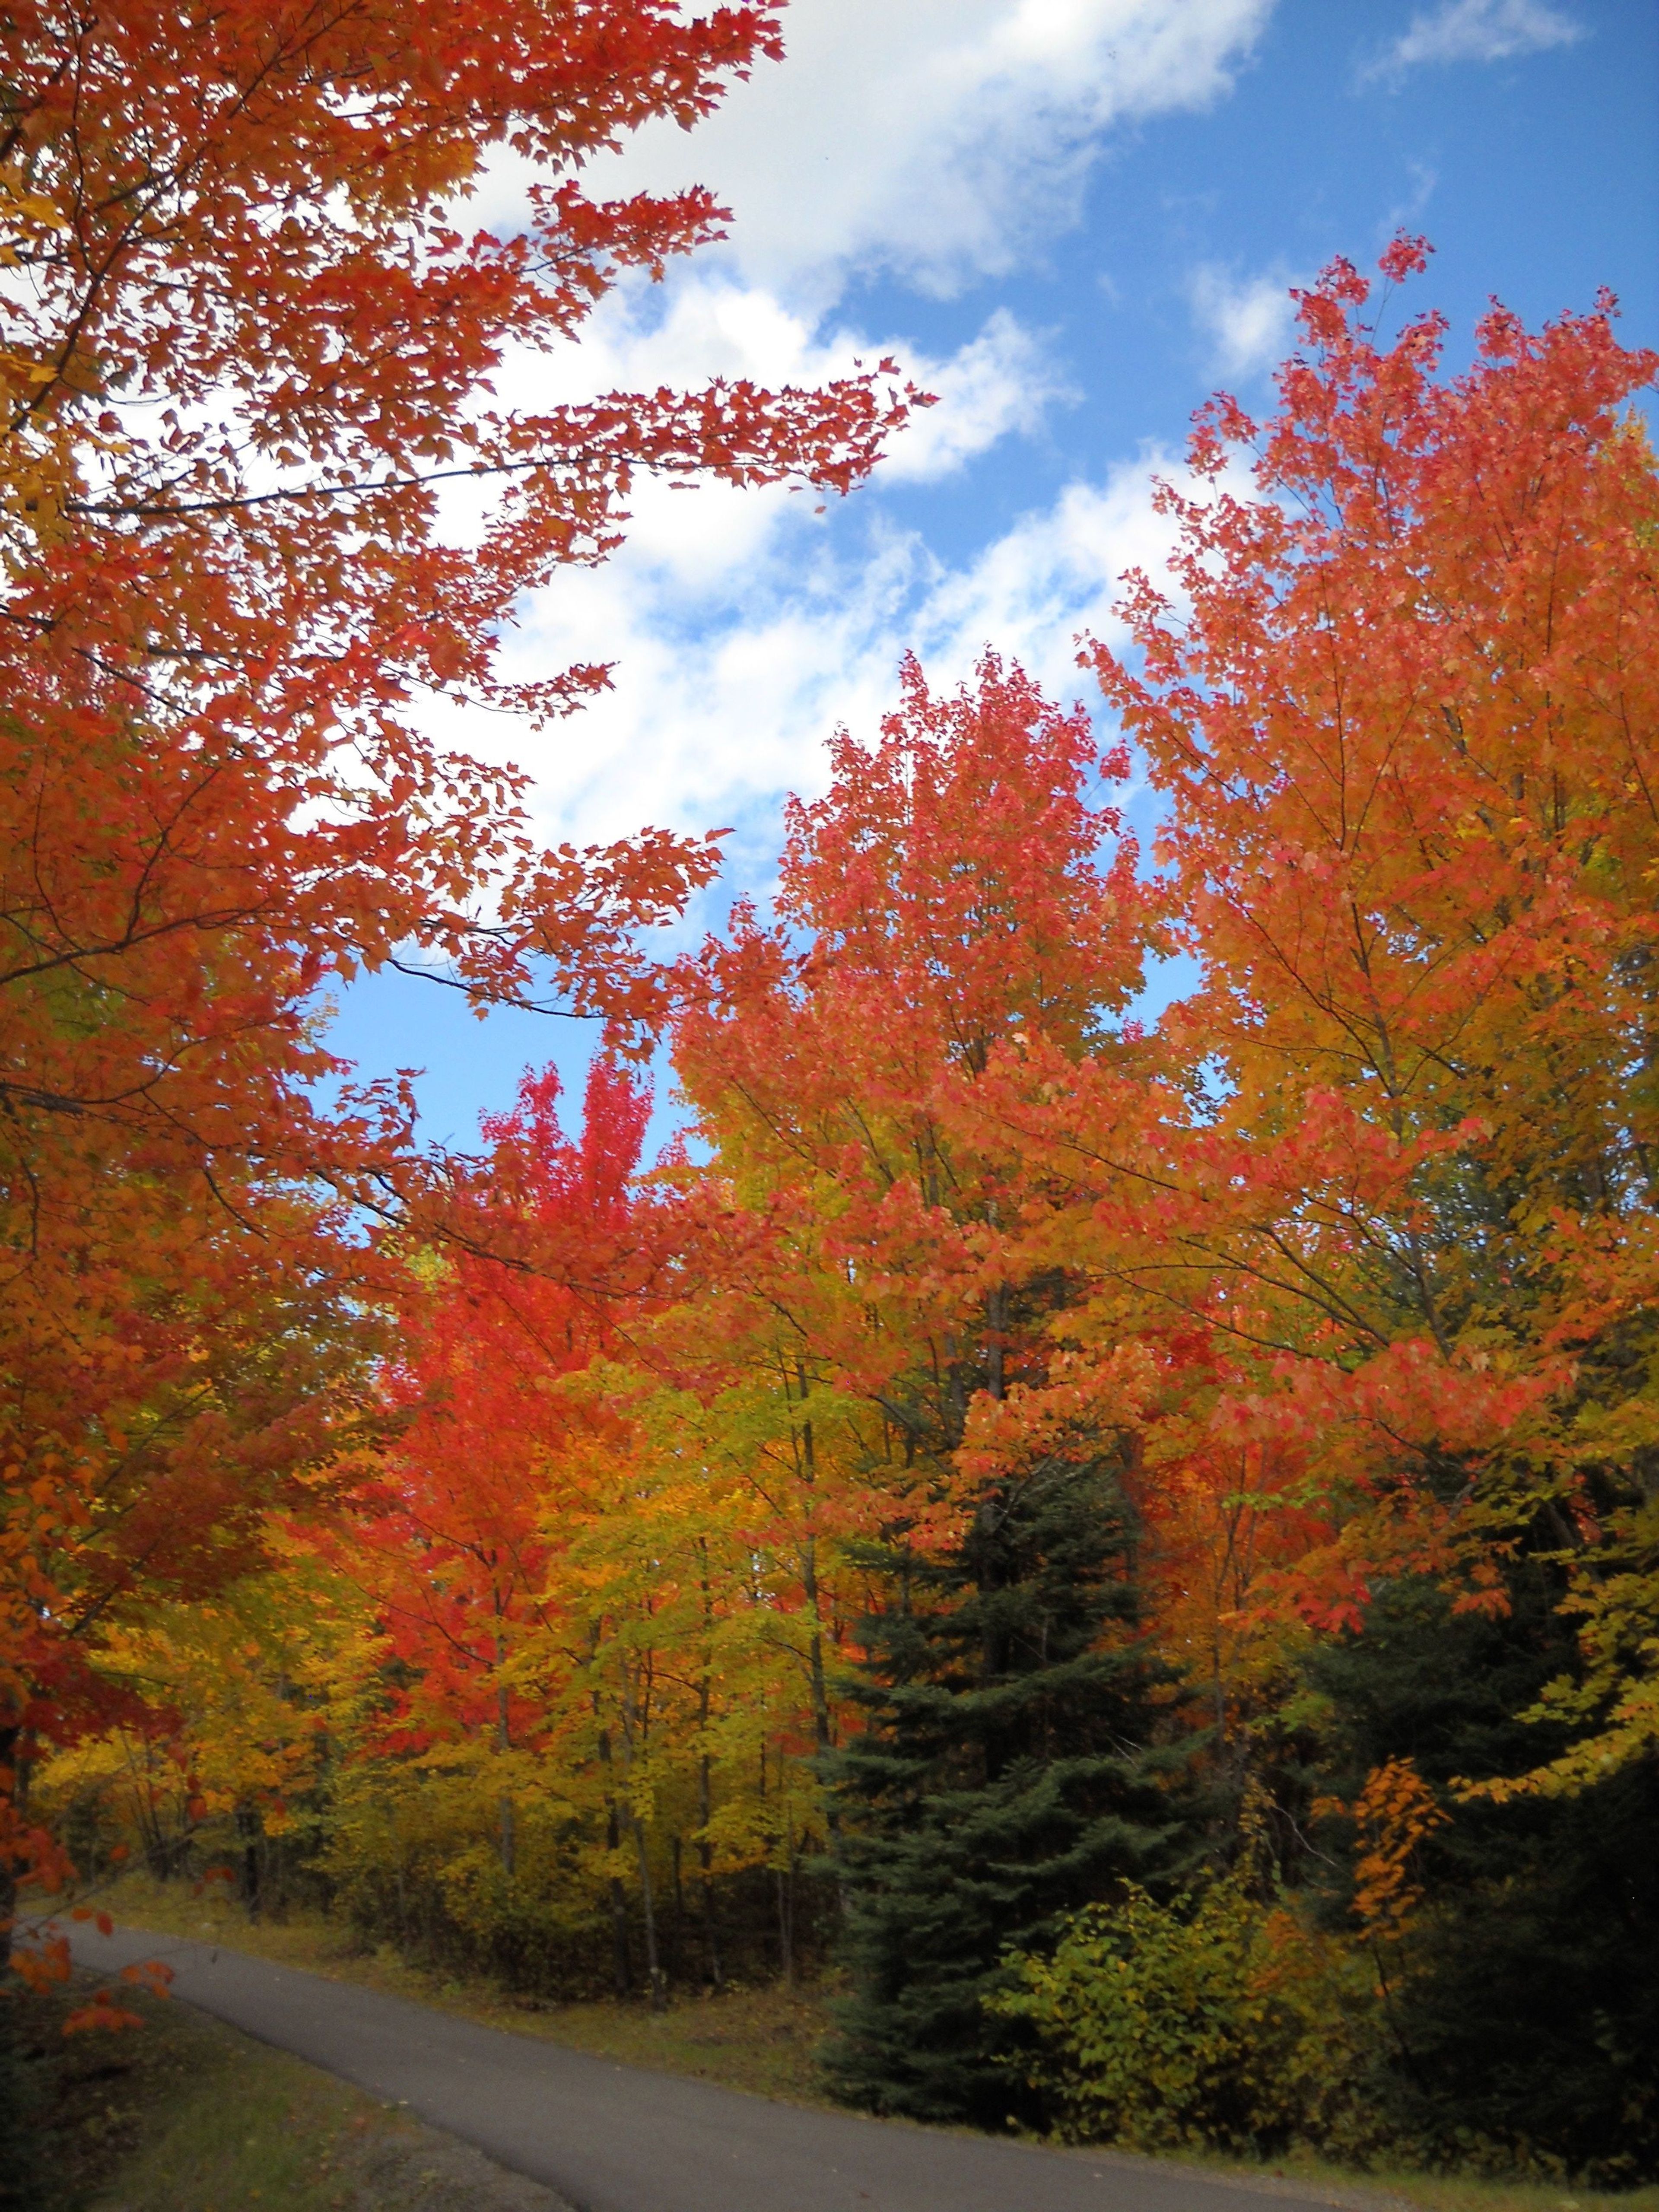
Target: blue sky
pixel 1073 219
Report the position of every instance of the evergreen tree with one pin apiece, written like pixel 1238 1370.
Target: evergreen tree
pixel 1009 1772
pixel 1526 2016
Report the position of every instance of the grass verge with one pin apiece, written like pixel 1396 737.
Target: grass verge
pixel 1379 2187
pixel 764 2041
pixel 183 2114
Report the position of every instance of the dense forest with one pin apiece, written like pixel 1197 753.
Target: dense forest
pixel 1104 1491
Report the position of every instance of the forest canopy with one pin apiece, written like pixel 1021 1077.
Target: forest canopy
pixel 1127 1532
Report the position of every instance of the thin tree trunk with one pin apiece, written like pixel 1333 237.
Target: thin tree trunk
pixel 677 1947
pixel 705 1789
pixel 808 1572
pixel 823 1733
pixel 503 1744
pixel 248 1832
pixel 996 1324
pixel 10 1793
pixel 706 1860
pixel 636 1730
pixel 621 1963
pixel 786 1914
pixel 156 1854
pixel 652 1963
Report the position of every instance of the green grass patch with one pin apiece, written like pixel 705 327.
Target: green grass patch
pixel 764 2039
pixel 184 2114
pixel 1432 2192
pixel 206 2120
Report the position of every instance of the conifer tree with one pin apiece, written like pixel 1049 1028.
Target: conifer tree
pixel 1009 1772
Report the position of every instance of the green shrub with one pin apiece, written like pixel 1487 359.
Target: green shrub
pixel 1213 2021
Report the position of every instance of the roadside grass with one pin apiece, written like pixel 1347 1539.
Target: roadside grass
pixel 183 2114
pixel 765 2040
pixel 1377 2186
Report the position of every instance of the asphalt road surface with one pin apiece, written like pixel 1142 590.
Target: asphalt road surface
pixel 612 2138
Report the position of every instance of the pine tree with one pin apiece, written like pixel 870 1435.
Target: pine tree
pixel 1009 1772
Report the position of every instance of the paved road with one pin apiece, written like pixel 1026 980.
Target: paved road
pixel 615 2138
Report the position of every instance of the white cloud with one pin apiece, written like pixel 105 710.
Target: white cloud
pixel 1055 573
pixel 932 139
pixel 1248 321
pixel 1481 31
pixel 1000 384
pixel 731 674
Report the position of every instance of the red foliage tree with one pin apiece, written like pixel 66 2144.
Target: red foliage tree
pixel 249 336
pixel 467 1513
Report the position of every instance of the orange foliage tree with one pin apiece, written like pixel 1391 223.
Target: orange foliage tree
pixel 1400 1202
pixel 963 884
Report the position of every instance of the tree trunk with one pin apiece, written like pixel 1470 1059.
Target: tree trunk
pixel 636 1722
pixel 247 1832
pixel 677 1947
pixel 503 1744
pixel 787 1915
pixel 652 1963
pixel 9 1795
pixel 705 1787
pixel 621 1963
pixel 711 1935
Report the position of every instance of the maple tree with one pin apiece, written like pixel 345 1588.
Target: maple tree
pixel 250 337
pixel 1389 1201
pixel 949 894
pixel 1380 1231
pixel 517 1569
pixel 844 1242
pixel 454 1547
pixel 1402 736
pixel 564 1618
